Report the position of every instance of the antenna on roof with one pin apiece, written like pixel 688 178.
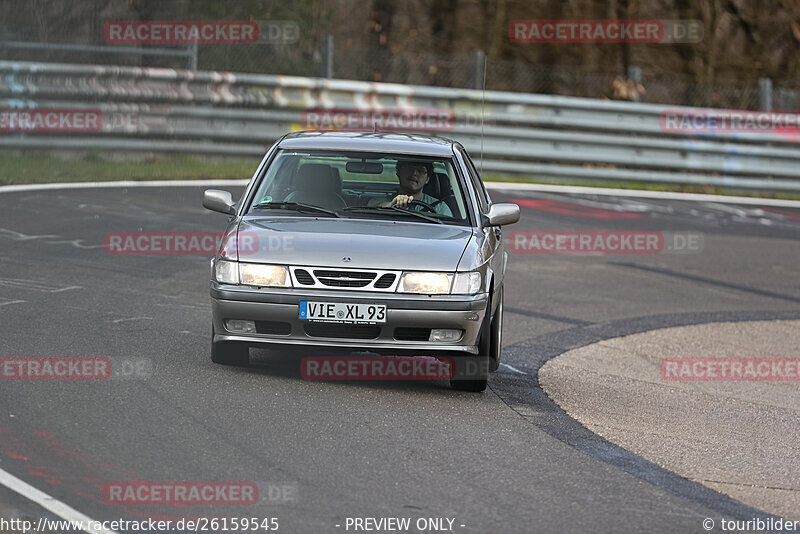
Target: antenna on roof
pixel 483 105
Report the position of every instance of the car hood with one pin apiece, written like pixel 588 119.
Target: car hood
pixel 352 243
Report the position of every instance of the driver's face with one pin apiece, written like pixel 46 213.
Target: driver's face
pixel 412 177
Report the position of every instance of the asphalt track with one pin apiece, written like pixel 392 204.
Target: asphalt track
pixel 508 460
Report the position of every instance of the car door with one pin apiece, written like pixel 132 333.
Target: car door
pixel 493 236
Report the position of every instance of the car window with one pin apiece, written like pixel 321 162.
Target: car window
pixel 483 197
pixel 338 180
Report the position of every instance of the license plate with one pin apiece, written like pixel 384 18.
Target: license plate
pixel 337 312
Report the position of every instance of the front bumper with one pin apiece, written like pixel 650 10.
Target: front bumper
pixel 278 308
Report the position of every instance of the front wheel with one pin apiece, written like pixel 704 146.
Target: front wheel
pixel 472 372
pixel 496 335
pixel 229 352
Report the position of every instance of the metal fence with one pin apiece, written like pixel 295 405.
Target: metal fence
pixel 226 114
pixel 462 70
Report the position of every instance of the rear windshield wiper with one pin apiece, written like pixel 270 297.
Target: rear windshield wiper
pixel 394 209
pixel 297 206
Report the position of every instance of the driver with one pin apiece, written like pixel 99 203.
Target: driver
pixel 413 175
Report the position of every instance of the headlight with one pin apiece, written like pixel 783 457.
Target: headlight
pixel 425 283
pixel 226 272
pixel 256 274
pixel 467 283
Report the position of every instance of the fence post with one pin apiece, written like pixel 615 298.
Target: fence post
pixel 192 61
pixel 476 69
pixel 765 93
pixel 326 53
pixel 635 75
pixel 4 36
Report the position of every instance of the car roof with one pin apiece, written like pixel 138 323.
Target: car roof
pixel 389 142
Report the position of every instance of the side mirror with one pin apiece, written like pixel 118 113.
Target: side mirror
pixel 217 200
pixel 502 214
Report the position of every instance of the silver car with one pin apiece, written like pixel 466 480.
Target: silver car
pixel 353 241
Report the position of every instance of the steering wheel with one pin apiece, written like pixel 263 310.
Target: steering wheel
pixel 424 205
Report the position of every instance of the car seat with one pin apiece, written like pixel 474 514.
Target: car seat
pixel 318 185
pixel 439 188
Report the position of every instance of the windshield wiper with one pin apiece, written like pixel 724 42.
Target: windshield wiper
pixel 297 206
pixel 394 209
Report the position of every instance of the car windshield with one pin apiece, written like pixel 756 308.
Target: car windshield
pixel 362 185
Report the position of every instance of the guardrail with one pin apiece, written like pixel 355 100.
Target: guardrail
pixel 227 114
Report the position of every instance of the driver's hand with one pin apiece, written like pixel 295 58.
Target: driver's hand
pixel 401 201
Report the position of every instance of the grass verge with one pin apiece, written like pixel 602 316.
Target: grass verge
pixel 34 169
pixel 43 168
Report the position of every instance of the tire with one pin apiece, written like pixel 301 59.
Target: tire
pixel 496 335
pixel 229 352
pixel 472 372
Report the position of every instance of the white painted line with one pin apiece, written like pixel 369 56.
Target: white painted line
pixel 48 503
pixel 664 195
pixel 122 184
pixel 66 289
pixel 34 285
pixel 499 186
pixel 117 321
pixel 514 369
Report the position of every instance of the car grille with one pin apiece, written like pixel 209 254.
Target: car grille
pixel 345 279
pixel 340 331
pixel 385 281
pixel 303 277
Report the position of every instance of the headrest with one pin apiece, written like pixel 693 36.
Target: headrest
pixel 444 184
pixel 432 187
pixel 317 177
